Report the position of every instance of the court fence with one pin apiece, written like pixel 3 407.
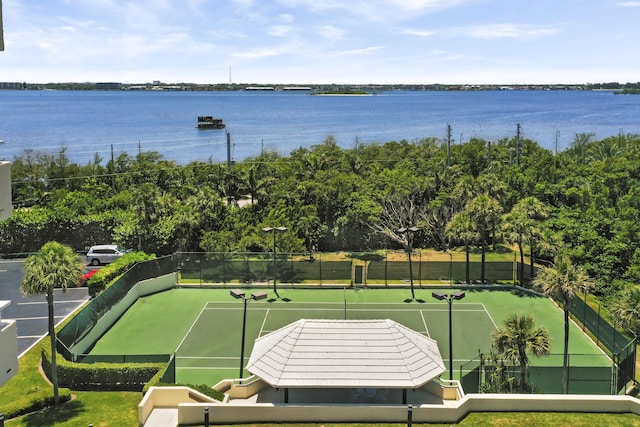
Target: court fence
pixel 619 347
pixel 588 374
pixel 355 269
pixel 87 318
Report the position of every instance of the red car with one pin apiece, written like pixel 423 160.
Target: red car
pixel 86 276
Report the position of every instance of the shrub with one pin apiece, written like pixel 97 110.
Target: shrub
pixel 100 376
pixel 99 281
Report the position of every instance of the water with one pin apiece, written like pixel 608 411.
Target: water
pixel 92 122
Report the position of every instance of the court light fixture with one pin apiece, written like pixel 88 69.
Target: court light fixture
pixel 255 296
pixel 274 230
pixel 458 295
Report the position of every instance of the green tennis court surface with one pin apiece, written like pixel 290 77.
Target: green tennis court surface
pixel 203 327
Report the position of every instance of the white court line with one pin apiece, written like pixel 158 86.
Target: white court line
pixel 424 322
pixel 38 318
pixel 206 357
pixel 55 302
pixel 263 322
pixel 490 318
pixel 190 328
pixel 208 368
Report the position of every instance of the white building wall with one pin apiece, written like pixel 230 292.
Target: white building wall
pixel 5 190
pixel 8 350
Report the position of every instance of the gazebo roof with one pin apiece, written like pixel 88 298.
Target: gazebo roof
pixel 345 353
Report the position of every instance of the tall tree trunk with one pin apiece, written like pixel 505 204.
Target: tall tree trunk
pixel 521 263
pixel 523 373
pixel 483 244
pixel 52 336
pixel 467 272
pixel 532 260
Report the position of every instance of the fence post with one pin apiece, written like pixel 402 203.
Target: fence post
pixel 386 273
pixel 598 327
pixel 420 268
pixel 584 310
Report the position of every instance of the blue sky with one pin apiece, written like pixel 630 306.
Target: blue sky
pixel 321 41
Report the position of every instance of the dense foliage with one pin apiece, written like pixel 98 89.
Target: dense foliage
pixel 582 203
pixel 99 281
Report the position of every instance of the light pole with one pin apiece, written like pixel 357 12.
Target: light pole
pixel 239 294
pixel 449 298
pixel 450 267
pixel 408 232
pixel 274 230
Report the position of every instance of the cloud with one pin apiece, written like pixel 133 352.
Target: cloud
pixel 257 53
pixel 424 4
pixel 279 30
pixel 508 31
pixel 331 32
pixel 286 18
pixel 363 51
pixel 374 10
pixel 418 33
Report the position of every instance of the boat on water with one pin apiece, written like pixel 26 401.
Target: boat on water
pixel 209 122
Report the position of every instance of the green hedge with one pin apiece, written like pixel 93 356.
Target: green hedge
pixel 100 376
pixel 99 281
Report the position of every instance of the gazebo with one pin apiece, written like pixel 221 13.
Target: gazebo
pixel 366 357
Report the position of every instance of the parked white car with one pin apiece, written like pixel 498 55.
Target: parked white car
pixel 104 254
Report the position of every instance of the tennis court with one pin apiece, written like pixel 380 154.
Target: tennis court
pixel 203 327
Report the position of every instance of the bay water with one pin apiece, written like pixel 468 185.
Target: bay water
pixel 90 123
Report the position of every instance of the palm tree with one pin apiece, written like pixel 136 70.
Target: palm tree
pixel 483 211
pixel 562 282
pixel 536 211
pixel 525 215
pixel 514 228
pixel 53 266
pixel 519 336
pixel 462 228
pixel 627 310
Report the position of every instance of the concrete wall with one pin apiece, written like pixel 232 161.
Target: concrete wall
pixel 8 350
pixel 166 397
pixel 190 412
pixel 140 289
pixel 244 391
pixel 449 390
pixel 155 285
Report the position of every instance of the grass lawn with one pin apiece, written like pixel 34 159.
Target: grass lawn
pixel 84 408
pixel 99 409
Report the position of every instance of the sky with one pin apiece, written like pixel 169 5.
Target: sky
pixel 321 41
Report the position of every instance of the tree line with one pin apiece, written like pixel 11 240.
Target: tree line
pixel 582 203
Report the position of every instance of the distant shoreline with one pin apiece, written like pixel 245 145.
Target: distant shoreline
pixel 315 88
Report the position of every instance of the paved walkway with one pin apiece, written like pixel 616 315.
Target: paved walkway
pixel 162 417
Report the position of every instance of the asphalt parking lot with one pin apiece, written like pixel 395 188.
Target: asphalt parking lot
pixel 30 313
